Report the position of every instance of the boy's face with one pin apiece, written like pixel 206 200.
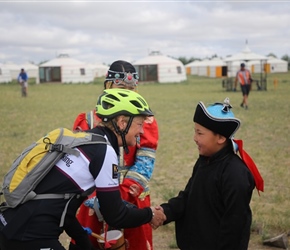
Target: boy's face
pixel 208 143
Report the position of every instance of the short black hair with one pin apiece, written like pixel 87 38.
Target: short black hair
pixel 122 66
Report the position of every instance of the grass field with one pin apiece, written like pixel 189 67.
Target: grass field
pixel 265 130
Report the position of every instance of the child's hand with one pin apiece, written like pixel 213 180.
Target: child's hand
pixel 134 190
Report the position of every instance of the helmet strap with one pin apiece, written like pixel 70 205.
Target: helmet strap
pixel 123 133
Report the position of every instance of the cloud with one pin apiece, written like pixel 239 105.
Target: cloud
pixel 104 31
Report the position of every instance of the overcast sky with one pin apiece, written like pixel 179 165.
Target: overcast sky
pixel 105 31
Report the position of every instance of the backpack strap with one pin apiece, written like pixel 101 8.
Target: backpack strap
pixel 67 196
pixel 61 223
pixel 33 196
pixel 50 196
pixel 62 148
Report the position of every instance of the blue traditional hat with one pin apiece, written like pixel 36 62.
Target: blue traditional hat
pixel 218 118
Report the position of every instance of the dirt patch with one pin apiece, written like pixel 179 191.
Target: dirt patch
pixel 164 239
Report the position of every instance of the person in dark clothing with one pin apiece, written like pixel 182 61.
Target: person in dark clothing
pixel 213 211
pixel 35 225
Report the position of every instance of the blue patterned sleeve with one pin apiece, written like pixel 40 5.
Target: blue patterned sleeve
pixel 143 167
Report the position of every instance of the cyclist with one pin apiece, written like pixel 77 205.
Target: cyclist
pixel 35 224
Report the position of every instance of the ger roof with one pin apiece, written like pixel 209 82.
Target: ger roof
pixel 245 55
pixel 62 60
pixel 156 59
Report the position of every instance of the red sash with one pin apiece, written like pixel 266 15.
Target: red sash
pixel 251 165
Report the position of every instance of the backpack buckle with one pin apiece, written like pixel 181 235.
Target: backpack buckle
pixel 56 147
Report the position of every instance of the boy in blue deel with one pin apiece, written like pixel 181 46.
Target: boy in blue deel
pixel 213 211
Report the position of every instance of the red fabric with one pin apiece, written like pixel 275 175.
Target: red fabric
pixel 81 122
pixel 139 238
pixel 150 137
pixel 251 165
pixel 125 187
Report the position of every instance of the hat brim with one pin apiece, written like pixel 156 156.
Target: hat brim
pixel 226 127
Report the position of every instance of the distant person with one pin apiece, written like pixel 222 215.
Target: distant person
pixel 23 81
pixel 213 211
pixel 244 77
pixel 135 166
pixel 35 224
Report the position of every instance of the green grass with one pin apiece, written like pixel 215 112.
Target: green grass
pixel 265 130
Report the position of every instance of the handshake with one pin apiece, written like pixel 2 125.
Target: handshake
pixel 158 217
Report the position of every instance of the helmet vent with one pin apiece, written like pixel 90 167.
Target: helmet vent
pixel 107 105
pixel 142 100
pixel 136 104
pixel 113 97
pixel 123 94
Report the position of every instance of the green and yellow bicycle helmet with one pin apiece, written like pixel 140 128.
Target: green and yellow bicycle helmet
pixel 114 102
